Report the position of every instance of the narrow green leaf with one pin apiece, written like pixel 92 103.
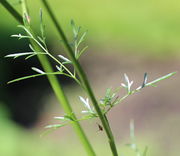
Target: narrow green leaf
pixel 40 39
pixel 55 126
pixel 32 76
pixel 81 52
pixel 82 38
pixel 30 56
pixel 75 30
pixel 66 63
pixel 15 55
pixel 159 79
pixel 31 47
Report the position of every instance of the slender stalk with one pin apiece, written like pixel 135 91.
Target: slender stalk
pixel 83 79
pixel 54 84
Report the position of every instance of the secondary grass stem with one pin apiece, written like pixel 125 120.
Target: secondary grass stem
pixel 83 79
pixel 56 86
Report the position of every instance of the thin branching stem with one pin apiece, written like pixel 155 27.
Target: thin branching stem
pixel 83 79
pixel 51 56
pixel 47 52
pixel 54 83
pixel 37 75
pixel 138 89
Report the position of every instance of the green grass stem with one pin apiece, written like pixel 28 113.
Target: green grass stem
pixel 54 84
pixel 83 79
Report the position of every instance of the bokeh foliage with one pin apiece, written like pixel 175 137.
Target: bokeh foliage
pixel 146 26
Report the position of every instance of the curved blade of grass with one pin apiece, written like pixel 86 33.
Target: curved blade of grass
pixel 33 76
pixel 54 83
pixel 159 79
pixel 84 80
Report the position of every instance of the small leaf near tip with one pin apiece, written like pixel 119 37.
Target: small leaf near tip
pixel 161 78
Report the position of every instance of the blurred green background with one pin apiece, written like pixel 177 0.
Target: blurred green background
pixel 124 36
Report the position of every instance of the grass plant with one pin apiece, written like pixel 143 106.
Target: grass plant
pixel 93 108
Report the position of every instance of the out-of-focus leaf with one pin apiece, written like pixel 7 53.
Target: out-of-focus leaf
pixel 15 55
